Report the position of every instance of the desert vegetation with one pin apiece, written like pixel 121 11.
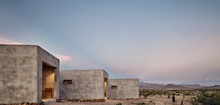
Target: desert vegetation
pixel 197 96
pixel 207 97
pixel 150 92
pixel 160 97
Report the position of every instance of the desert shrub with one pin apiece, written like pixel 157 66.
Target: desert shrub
pixel 187 93
pixel 119 103
pixel 193 101
pixel 151 103
pixel 168 95
pixel 141 103
pixel 146 92
pixel 207 99
pixel 178 91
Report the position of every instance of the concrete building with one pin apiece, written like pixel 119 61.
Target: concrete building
pixel 28 73
pixel 123 88
pixel 83 84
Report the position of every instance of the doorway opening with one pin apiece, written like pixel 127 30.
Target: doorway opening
pixel 106 87
pixel 48 81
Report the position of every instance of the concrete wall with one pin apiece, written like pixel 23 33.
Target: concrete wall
pixel 123 88
pixel 45 57
pixel 20 73
pixel 86 84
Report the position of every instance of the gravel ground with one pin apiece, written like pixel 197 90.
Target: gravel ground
pixel 151 100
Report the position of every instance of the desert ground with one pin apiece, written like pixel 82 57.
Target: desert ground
pixel 150 100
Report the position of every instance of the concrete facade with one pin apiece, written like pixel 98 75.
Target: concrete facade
pixel 123 88
pixel 25 71
pixel 83 84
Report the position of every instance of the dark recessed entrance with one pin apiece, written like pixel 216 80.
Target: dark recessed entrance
pixel 106 87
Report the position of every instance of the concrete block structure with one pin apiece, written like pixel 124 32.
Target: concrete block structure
pixel 123 88
pixel 83 84
pixel 25 72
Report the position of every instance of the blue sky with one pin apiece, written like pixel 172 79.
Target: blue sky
pixel 158 41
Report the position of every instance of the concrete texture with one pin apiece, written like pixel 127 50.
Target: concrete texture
pixel 123 88
pixel 21 73
pixel 86 84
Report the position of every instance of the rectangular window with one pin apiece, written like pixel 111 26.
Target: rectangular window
pixel 114 87
pixel 67 82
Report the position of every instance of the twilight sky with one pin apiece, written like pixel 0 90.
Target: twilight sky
pixel 158 41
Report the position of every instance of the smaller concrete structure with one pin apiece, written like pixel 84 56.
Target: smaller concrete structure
pixel 123 88
pixel 83 84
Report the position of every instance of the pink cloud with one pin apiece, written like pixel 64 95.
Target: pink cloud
pixel 75 62
pixel 8 41
pixel 64 58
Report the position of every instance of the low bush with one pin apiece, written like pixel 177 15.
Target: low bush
pixel 119 103
pixel 141 103
pixel 207 99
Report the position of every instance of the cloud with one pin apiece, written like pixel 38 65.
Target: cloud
pixel 75 62
pixel 64 58
pixel 8 41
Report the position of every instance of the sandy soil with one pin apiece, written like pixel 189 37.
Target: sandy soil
pixel 151 100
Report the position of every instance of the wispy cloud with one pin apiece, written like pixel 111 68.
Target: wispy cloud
pixel 64 58
pixel 74 62
pixel 8 41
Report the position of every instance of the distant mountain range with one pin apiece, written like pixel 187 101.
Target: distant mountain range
pixel 144 85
